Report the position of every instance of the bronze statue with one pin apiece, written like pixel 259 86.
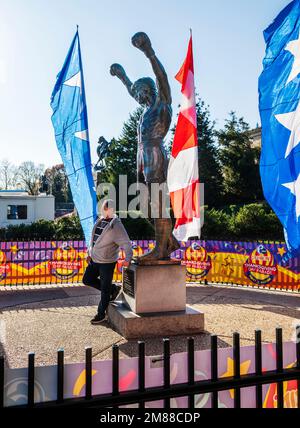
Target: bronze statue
pixel 152 160
pixel 102 152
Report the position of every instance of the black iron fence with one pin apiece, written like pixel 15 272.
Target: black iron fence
pixel 189 389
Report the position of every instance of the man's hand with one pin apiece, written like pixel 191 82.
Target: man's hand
pixel 143 43
pixel 88 259
pixel 126 264
pixel 117 70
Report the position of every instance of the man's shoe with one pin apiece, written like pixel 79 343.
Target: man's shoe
pixel 98 319
pixel 116 291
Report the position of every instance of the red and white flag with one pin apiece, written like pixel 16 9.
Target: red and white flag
pixel 183 173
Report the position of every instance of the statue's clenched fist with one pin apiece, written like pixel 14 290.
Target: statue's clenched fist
pixel 142 42
pixel 117 70
pixel 102 140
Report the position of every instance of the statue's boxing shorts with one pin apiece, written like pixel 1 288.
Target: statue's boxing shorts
pixel 152 163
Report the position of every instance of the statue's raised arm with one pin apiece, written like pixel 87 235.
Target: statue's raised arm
pixel 143 43
pixel 118 71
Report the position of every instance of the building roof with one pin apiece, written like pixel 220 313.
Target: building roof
pixel 13 191
pixel 255 137
pixel 22 194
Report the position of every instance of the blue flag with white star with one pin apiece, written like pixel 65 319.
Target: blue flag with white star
pixel 70 124
pixel 279 92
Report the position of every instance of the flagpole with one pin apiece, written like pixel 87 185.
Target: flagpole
pixel 68 94
pixel 186 158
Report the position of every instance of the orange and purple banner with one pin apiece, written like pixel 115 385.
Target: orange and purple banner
pixel 221 262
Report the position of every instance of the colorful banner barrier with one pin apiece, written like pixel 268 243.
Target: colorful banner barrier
pixel 242 263
pixel 15 390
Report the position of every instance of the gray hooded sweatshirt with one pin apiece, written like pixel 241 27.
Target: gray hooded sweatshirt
pixel 107 246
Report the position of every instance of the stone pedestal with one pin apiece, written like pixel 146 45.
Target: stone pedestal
pixel 153 303
pixel 133 326
pixel 155 288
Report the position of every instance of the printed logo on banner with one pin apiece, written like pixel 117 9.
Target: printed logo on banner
pixel 197 262
pixel 137 252
pixel 16 391
pixel 290 394
pixel 260 267
pixel 4 267
pixel 296 331
pixel 120 261
pixel 65 263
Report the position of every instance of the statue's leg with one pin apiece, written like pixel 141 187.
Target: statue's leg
pixel 163 233
pixel 163 230
pixel 154 172
pixel 173 244
pixel 163 227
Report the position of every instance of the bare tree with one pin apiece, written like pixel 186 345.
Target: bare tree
pixel 58 183
pixel 29 176
pixel 8 175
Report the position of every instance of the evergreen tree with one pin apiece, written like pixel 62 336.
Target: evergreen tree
pixel 239 162
pixel 122 153
pixel 209 166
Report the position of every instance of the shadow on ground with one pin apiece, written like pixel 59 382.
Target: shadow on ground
pixel 177 345
pixel 53 297
pixel 45 319
pixel 10 299
pixel 251 299
pixel 2 342
pixel 279 310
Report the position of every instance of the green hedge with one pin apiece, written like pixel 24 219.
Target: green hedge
pixel 249 222
pixel 216 225
pixel 69 228
pixel 256 221
pixel 65 228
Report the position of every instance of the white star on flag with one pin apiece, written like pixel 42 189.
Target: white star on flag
pixel 294 187
pixel 294 48
pixel 291 121
pixel 75 81
pixel 82 135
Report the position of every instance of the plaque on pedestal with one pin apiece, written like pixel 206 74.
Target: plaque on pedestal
pixel 155 288
pixel 128 282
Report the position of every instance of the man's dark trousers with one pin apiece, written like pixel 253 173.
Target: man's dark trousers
pixel 91 278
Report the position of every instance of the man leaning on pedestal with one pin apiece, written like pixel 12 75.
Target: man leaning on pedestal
pixel 108 236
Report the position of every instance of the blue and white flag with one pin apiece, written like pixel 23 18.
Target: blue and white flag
pixel 279 89
pixel 70 124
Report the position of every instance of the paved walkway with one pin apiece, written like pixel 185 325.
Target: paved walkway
pixel 44 319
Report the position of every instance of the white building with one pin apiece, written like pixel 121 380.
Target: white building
pixel 255 137
pixel 17 207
